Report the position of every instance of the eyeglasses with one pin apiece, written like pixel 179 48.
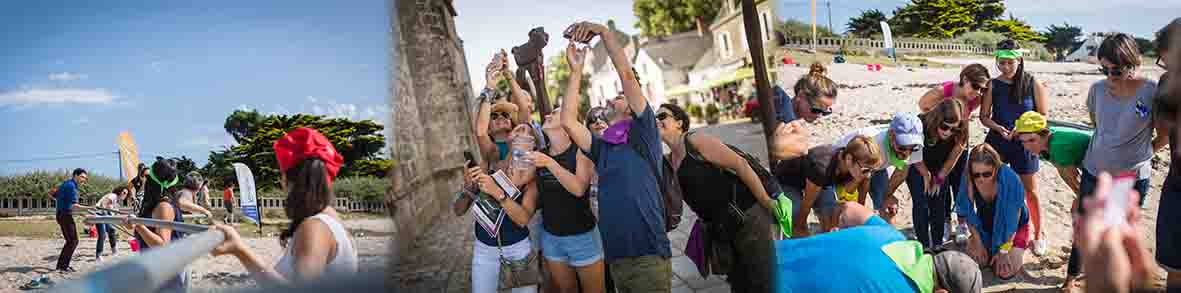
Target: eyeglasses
pixel 981 175
pixel 1114 71
pixel 861 167
pixel 818 111
pixel 907 148
pixel 498 115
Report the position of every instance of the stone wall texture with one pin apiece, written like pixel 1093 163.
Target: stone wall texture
pixel 431 122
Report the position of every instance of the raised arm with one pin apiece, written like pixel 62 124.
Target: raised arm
pixel 581 136
pixel 483 140
pixel 930 99
pixel 714 151
pixel 631 87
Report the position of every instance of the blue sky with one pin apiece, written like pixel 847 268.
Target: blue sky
pixel 78 73
pixel 1141 18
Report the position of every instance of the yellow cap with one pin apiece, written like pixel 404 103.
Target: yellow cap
pixel 1031 122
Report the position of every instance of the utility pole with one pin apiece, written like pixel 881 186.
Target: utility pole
pixel 813 26
pixel 829 4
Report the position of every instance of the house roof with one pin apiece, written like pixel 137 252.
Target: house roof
pixel 708 59
pixel 599 50
pixel 681 50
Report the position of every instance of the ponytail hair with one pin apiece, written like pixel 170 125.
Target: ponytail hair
pixel 815 84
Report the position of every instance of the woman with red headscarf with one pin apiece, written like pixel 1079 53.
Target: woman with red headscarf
pixel 316 243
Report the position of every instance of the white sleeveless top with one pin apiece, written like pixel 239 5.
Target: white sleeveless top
pixel 343 265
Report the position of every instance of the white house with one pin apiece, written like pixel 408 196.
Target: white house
pixel 664 63
pixel 730 49
pixel 1088 50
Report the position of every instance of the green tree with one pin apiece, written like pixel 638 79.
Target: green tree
pixel 867 24
pixel 1146 46
pixel 792 28
pixel 241 124
pixel 666 17
pixel 359 142
pixel 944 18
pixel 184 165
pixel 1062 38
pixel 1015 29
pixel 557 71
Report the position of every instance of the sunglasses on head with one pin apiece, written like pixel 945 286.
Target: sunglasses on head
pixel 498 115
pixel 981 175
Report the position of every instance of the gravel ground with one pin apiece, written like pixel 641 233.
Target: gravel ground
pixel 24 258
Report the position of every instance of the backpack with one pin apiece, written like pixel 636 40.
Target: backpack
pixel 769 182
pixel 670 190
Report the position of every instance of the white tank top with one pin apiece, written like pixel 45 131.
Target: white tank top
pixel 344 264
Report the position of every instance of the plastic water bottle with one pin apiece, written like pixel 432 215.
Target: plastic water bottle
pixel 521 145
pixel 962 234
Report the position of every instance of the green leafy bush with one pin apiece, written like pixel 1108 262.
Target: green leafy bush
pixel 361 188
pixel 694 111
pixel 984 39
pixel 712 110
pixel 39 183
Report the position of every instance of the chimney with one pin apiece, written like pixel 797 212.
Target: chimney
pixel 702 28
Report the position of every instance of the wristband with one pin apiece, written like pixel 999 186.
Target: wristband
pixel 1006 247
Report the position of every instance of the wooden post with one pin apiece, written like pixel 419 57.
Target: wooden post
pixel 750 19
pixel 813 23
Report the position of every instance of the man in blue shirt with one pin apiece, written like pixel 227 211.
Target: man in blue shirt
pixel 66 199
pixel 869 255
pixel 631 207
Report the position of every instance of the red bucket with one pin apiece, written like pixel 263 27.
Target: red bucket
pixel 877 67
pixel 93 231
pixel 134 245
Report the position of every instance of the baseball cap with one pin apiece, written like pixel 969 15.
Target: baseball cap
pixel 1031 122
pixel 957 272
pixel 908 129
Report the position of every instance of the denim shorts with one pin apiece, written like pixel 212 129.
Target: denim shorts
pixel 1013 153
pixel 825 204
pixel 577 250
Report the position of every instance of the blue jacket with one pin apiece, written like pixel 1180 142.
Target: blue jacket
pixel 1010 197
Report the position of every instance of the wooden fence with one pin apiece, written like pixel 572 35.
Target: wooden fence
pixel 900 46
pixel 26 205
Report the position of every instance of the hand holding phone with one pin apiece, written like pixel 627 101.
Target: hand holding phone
pixel 1115 212
pixel 471 159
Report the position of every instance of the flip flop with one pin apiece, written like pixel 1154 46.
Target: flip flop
pixel 33 285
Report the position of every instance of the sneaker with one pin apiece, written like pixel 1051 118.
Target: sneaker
pixel 98 258
pixel 1040 247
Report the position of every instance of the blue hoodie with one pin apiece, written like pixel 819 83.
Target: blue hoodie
pixel 1010 196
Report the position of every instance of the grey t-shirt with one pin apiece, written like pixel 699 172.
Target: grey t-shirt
pixel 1123 130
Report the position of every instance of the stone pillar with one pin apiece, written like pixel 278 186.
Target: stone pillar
pixel 432 106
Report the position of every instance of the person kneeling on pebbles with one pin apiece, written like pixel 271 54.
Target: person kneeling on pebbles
pixel 992 202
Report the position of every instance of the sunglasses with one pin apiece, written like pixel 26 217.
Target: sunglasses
pixel 662 115
pixel 498 115
pixel 948 127
pixel 978 87
pixel 1114 71
pixel 981 175
pixel 819 111
pixel 1160 63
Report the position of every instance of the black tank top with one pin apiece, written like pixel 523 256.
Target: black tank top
pixel 708 190
pixel 563 214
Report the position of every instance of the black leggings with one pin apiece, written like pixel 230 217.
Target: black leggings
pixel 65 220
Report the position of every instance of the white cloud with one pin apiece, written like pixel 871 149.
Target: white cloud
pixel 66 76
pixel 56 96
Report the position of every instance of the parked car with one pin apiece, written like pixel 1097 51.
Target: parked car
pixel 751 108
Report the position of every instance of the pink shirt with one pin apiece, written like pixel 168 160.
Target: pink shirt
pixel 949 92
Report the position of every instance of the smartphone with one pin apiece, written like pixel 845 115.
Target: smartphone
pixel 471 160
pixel 1114 213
